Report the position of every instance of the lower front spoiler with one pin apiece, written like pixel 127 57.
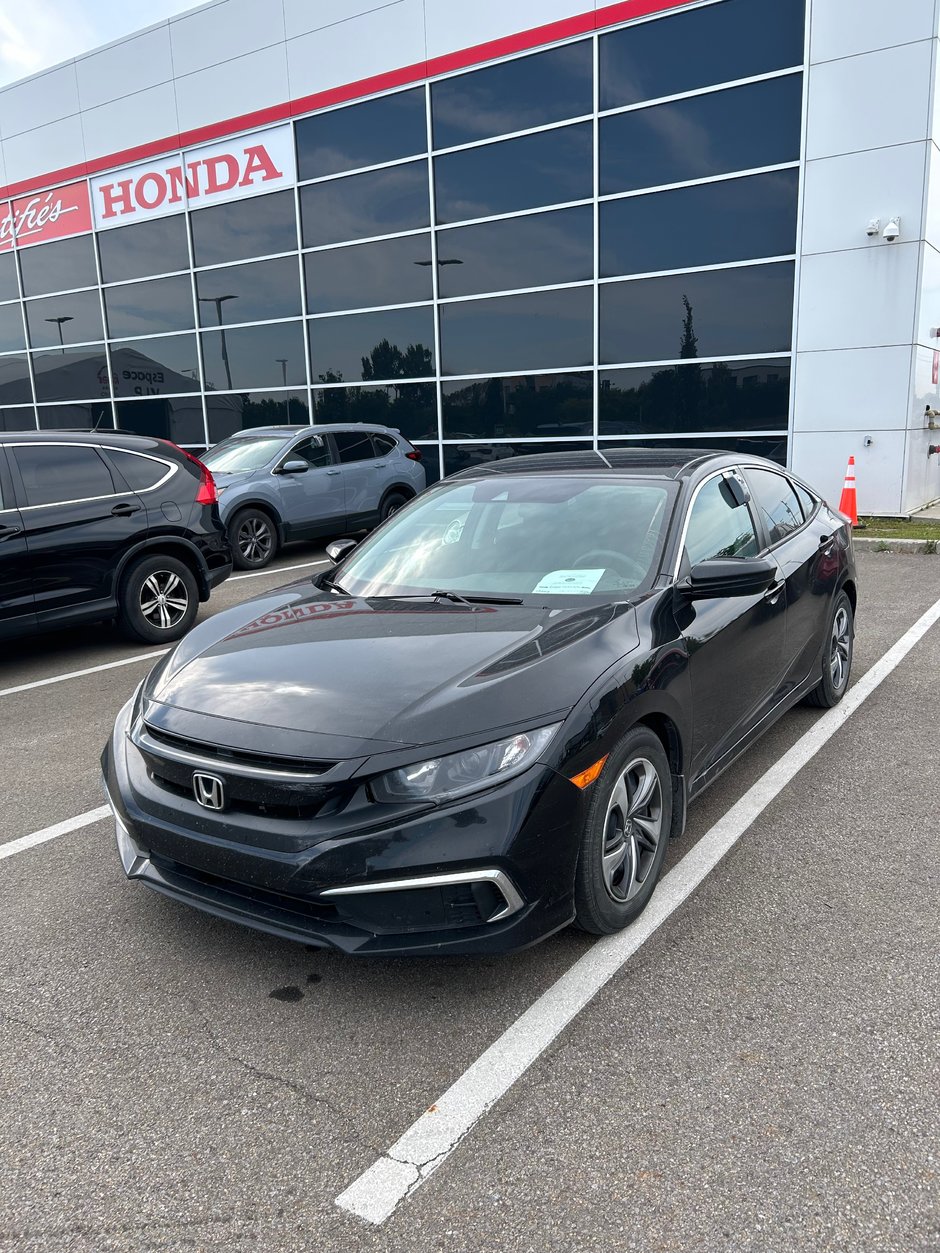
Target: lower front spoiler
pixel 317 923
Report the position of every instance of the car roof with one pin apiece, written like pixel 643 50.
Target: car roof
pixel 661 463
pixel 106 435
pixel 319 429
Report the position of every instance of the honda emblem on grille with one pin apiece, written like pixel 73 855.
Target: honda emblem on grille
pixel 209 791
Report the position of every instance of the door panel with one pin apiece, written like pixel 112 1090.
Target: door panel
pixel 362 475
pixel 16 585
pixel 75 544
pixel 736 644
pixel 315 499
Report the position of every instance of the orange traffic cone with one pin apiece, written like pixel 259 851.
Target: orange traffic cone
pixel 847 504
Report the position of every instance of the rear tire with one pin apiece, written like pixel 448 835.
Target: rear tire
pixel 837 656
pixel 158 600
pixel 392 503
pixel 626 834
pixel 253 537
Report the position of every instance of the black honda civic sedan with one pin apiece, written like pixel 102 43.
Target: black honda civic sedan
pixel 488 719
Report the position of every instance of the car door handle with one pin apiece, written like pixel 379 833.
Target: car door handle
pixel 7 532
pixel 772 595
pixel 378 465
pixel 332 471
pixel 124 510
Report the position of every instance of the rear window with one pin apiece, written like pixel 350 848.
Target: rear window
pixel 140 473
pixel 777 503
pixel 353 445
pixel 383 445
pixel 807 501
pixel 55 473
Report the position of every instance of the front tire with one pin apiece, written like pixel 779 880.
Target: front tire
pixel 253 537
pixel 837 656
pixel 626 834
pixel 158 600
pixel 392 503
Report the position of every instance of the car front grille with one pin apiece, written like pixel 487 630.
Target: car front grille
pixel 297 768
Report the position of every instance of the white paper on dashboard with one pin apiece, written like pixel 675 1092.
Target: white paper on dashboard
pixel 575 582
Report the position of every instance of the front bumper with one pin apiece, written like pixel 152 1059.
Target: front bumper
pixel 492 874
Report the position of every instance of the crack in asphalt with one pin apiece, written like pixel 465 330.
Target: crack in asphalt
pixel 37 1031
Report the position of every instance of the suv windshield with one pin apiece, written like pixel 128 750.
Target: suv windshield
pixel 543 535
pixel 244 454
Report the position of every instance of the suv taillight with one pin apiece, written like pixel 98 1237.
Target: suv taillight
pixel 414 455
pixel 207 494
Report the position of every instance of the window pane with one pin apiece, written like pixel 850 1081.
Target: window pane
pixel 807 501
pixel 513 96
pixel 8 287
pixel 380 202
pixel 408 407
pixel 51 473
pixel 530 332
pixel 18 419
pixel 228 414
pixel 740 129
pixel 90 415
pixel 708 224
pixel 178 420
pixel 353 445
pixel 726 396
pixel 140 473
pixel 164 304
pixel 71 373
pixel 152 247
pixel 715 44
pixel 11 328
pixel 777 503
pixel 15 387
pixel 315 451
pixel 71 319
pixel 249 293
pixel 362 134
pixel 718 527
pixel 531 251
pixel 244 228
pixel 539 405
pixel 549 168
pixel 393 345
pixel 390 272
pixel 462 456
pixel 254 356
pixel 155 367
pixel 58 266
pixel 732 311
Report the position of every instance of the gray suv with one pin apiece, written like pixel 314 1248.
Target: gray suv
pixel 279 483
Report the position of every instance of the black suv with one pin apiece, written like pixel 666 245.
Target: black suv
pixel 103 525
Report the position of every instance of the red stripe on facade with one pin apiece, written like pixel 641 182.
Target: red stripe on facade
pixel 522 41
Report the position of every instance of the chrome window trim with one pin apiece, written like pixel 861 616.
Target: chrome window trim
pixel 84 500
pixel 499 879
pixel 726 472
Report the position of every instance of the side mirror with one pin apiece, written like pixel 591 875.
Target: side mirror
pixel 729 576
pixel 294 467
pixel 339 549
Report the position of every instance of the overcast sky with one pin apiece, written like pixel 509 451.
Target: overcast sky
pixel 35 34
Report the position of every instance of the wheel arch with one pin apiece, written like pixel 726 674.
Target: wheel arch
pixel 669 735
pixel 264 506
pixel 169 546
pixel 851 591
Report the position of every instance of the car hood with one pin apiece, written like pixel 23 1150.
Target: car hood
pixel 356 676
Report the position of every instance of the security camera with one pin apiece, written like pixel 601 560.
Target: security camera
pixel 873 227
pixel 892 230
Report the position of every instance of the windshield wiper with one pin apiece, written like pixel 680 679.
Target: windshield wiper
pixel 454 597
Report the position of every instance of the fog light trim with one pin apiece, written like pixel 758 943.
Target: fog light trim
pixel 499 879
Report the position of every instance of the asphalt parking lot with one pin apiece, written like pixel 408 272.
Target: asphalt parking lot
pixel 762 1074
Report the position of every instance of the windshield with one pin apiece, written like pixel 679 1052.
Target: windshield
pixel 244 454
pixel 516 536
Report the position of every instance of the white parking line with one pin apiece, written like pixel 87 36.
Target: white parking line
pixel 53 832
pixel 130 661
pixel 376 1194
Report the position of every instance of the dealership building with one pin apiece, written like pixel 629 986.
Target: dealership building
pixel 501 228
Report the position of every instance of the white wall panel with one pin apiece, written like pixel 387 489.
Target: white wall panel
pixel 123 123
pixel 236 87
pixel 821 458
pixel 35 101
pixel 841 195
pixel 452 25
pixel 932 213
pixel 124 68
pixel 854 389
pixel 870 101
pixel 859 299
pixel 928 306
pixel 301 16
pixel 47 148
pixel 844 28
pixel 223 31
pixel 922 472
pixel 358 48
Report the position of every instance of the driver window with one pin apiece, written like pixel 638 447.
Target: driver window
pixel 314 451
pixel 718 527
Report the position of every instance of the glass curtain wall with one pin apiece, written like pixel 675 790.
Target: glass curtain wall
pixel 583 246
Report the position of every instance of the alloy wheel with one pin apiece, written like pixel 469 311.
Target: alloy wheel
pixel 840 644
pixel 255 540
pixel 163 599
pixel 632 830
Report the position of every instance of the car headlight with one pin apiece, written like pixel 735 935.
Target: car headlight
pixel 444 778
